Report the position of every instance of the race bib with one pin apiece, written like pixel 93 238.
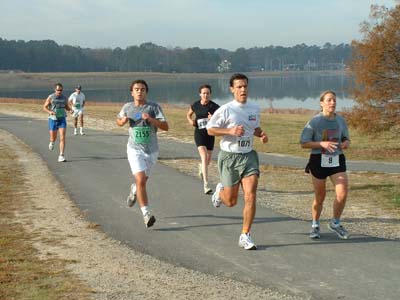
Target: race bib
pixel 244 144
pixel 202 123
pixel 141 135
pixel 59 113
pixel 77 105
pixel 329 161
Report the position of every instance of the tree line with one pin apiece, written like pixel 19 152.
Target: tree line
pixel 48 56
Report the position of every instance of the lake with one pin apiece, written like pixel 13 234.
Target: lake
pixel 294 90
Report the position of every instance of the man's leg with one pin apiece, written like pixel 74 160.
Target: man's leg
pixel 75 125
pixel 249 185
pixel 53 135
pixel 229 195
pixel 141 181
pixel 62 140
pixel 81 122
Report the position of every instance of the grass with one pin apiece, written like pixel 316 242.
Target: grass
pixel 23 275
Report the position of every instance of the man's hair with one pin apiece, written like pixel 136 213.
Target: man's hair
pixel 237 76
pixel 58 84
pixel 139 81
pixel 205 86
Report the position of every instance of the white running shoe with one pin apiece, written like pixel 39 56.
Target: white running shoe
pixel 75 131
pixel 246 242
pixel 148 219
pixel 207 189
pixel 131 200
pixel 61 158
pixel 81 132
pixel 51 146
pixel 216 200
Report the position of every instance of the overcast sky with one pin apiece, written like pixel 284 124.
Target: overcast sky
pixel 228 24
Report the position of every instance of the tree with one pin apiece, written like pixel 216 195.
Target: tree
pixel 376 68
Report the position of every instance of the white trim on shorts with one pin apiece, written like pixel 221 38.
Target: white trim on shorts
pixel 140 161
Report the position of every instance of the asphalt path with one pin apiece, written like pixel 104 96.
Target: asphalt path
pixel 189 232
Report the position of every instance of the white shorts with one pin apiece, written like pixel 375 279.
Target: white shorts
pixel 77 112
pixel 140 161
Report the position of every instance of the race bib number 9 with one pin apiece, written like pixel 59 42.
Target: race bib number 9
pixel 244 144
pixel 202 123
pixel 141 135
pixel 329 161
pixel 59 113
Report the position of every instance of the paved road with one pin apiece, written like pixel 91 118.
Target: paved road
pixel 190 232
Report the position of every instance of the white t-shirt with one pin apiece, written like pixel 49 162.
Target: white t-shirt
pixel 77 100
pixel 234 114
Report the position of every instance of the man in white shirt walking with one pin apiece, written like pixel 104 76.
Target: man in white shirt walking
pixel 77 102
pixel 237 122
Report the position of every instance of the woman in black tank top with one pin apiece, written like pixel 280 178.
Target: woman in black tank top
pixel 203 109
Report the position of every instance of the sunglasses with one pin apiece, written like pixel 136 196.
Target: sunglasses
pixel 59 90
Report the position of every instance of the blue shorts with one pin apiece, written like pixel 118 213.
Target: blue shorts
pixel 54 125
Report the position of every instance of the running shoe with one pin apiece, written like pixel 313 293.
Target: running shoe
pixel 200 172
pixel 148 219
pixel 81 132
pixel 314 233
pixel 216 200
pixel 339 230
pixel 61 158
pixel 207 189
pixel 75 131
pixel 51 146
pixel 131 200
pixel 246 242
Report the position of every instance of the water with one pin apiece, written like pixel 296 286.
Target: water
pixel 284 91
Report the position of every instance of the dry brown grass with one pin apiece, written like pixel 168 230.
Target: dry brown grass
pixel 23 275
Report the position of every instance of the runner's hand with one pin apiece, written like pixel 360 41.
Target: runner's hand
pixel 330 146
pixel 263 137
pixel 345 144
pixel 237 130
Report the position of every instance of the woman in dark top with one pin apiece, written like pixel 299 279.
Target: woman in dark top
pixel 203 110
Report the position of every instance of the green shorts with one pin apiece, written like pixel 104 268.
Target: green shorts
pixel 233 167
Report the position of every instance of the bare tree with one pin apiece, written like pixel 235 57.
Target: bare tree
pixel 376 67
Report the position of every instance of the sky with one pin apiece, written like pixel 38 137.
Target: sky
pixel 228 24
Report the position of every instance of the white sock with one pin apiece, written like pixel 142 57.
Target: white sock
pixel 145 210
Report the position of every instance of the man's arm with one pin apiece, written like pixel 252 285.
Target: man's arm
pixel 216 131
pixel 261 134
pixel 46 106
pixel 163 125
pixel 122 121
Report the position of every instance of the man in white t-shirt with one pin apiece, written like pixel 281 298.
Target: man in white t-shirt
pixel 77 102
pixel 237 122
